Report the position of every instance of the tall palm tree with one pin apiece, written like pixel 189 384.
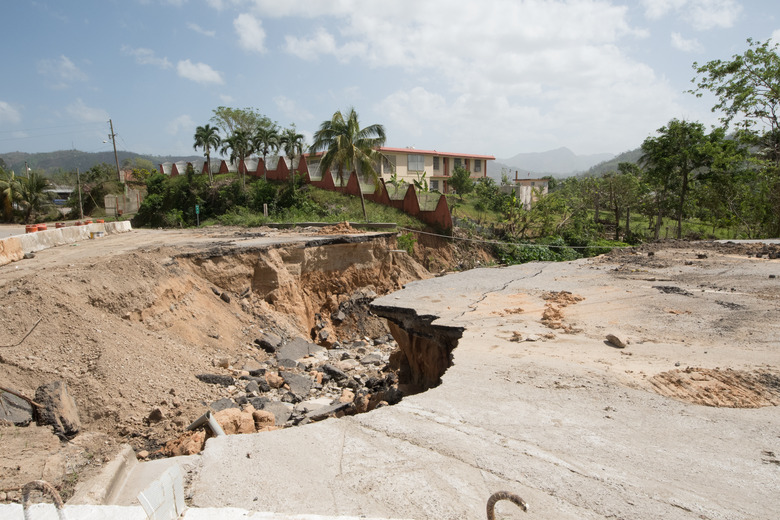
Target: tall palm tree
pixel 10 193
pixel 207 137
pixel 34 196
pixel 266 140
pixel 350 148
pixel 240 146
pixel 292 143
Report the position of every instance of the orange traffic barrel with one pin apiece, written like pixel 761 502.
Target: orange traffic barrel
pixel 42 227
pixel 100 221
pixel 30 228
pixel 59 225
pixel 87 222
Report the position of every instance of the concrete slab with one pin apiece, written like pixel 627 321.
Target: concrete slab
pixel 559 422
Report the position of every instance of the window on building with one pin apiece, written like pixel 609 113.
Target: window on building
pixel 436 163
pixel 458 162
pixel 434 185
pixel 416 163
pixel 477 165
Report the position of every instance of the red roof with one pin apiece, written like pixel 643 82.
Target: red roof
pixel 385 149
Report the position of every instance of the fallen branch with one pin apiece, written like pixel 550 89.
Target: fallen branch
pixel 25 336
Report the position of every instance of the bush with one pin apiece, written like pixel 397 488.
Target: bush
pixel 406 242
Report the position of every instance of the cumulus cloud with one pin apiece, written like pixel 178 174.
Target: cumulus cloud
pixel 682 44
pixel 198 29
pixel 291 109
pixel 700 14
pixel 251 35
pixel 80 111
pixel 198 72
pixel 537 72
pixel 8 114
pixel 182 123
pixel 61 71
pixel 145 56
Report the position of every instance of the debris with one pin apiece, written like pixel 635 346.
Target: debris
pixel 615 341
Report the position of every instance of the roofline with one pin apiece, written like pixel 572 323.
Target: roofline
pixel 421 152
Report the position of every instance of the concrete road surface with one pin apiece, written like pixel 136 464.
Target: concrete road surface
pixel 566 420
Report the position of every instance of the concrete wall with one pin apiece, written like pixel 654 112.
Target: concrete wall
pixel 14 248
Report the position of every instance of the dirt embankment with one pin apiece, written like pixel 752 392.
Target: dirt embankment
pixel 128 335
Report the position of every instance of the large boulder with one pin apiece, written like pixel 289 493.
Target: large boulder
pixel 58 409
pixel 233 420
pixel 297 349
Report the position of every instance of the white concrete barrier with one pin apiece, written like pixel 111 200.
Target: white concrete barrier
pixel 14 248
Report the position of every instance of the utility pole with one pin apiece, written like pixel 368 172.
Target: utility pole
pixel 78 183
pixel 112 135
pixel 26 170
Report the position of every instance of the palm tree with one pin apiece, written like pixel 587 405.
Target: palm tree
pixel 240 146
pixel 347 146
pixel 207 137
pixel 292 142
pixel 266 140
pixel 33 194
pixel 10 193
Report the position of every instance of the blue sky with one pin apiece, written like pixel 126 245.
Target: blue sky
pixel 493 77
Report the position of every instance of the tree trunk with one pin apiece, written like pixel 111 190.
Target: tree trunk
pixel 628 222
pixel 659 217
pixel 681 205
pixel 362 201
pixel 596 213
pixel 617 223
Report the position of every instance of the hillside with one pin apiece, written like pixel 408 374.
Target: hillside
pixel 631 156
pixel 69 160
pixel 560 162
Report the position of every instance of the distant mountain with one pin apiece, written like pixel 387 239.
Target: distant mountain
pixel 631 156
pixel 68 160
pixel 561 161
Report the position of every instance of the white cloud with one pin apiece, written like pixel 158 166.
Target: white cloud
pixel 291 109
pixel 79 110
pixel 226 99
pixel 322 42
pixel 198 29
pixel 776 36
pixel 145 56
pixel 681 44
pixel 700 14
pixel 8 114
pixel 61 71
pixel 198 72
pixel 182 123
pixel 251 35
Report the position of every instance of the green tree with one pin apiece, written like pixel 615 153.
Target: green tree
pixel 246 119
pixel 10 193
pixel 266 140
pixel 293 144
pixel 207 137
pixel 673 158
pixel 748 88
pixel 462 182
pixel 34 196
pixel 239 144
pixel 350 148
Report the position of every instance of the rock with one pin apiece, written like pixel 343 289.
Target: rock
pixel 338 316
pixel 259 372
pixel 264 420
pixel 281 411
pixel 297 349
pixel 323 335
pixel 311 405
pixel 252 387
pixel 327 411
pixel 615 341
pixel 58 409
pixel 221 361
pixel 334 372
pixel 371 359
pixel 223 404
pixel 234 421
pixel 225 297
pixel 215 379
pixel 155 415
pixel 215 291
pixel 287 363
pixel 274 380
pixel 347 396
pixel 188 443
pixel 143 454
pixel 15 410
pixel 299 385
pixel 269 342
